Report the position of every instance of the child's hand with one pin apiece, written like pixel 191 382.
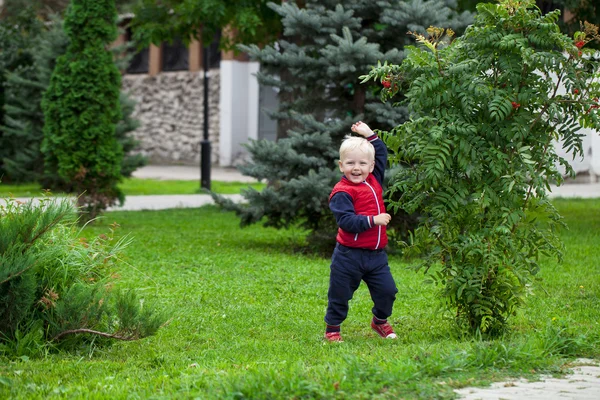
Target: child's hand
pixel 362 129
pixel 382 219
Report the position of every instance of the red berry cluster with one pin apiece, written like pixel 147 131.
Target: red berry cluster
pixel 580 44
pixel 387 82
pixel 515 105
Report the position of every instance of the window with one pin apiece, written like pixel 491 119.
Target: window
pixel 175 56
pixel 214 53
pixel 139 58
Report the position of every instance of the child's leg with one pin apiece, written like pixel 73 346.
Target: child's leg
pixel 381 285
pixel 344 279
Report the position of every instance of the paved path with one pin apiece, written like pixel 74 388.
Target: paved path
pixel 583 384
pixel 189 173
pixel 181 172
pixel 572 190
pixel 162 202
pixel 133 203
pixel 176 172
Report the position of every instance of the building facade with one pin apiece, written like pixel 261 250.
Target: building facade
pixel 167 83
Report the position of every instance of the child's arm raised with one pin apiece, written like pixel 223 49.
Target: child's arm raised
pixel 380 149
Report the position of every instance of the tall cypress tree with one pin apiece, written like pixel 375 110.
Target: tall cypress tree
pixel 315 66
pixel 81 108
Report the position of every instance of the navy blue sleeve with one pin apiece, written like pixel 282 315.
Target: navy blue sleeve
pixel 380 158
pixel 343 210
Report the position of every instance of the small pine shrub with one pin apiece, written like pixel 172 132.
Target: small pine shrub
pixel 55 285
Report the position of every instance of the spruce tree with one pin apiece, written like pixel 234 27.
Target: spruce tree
pixel 315 66
pixel 22 160
pixel 81 108
pixel 16 36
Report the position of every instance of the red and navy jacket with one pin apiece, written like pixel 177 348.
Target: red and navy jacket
pixel 355 205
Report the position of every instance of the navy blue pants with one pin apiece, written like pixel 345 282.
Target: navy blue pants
pixel 348 267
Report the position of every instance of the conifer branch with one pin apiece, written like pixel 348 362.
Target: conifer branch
pixel 47 228
pixel 11 277
pixel 93 332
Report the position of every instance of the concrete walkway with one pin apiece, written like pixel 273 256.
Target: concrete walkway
pixel 177 172
pixel 192 173
pixel 183 173
pixel 582 384
pixel 189 173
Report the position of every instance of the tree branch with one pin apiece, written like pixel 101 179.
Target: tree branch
pixel 10 277
pixel 83 330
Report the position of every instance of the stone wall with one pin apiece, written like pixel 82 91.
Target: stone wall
pixel 170 110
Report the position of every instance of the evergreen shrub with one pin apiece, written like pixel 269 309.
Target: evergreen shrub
pixel 81 109
pixel 55 284
pixel 486 112
pixel 16 36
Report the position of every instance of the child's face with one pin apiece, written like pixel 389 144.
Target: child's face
pixel 356 166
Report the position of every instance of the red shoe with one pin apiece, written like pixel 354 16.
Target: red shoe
pixel 384 330
pixel 333 337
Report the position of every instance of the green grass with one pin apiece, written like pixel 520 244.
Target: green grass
pixel 136 187
pixel 247 308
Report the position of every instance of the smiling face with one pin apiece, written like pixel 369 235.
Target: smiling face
pixel 356 165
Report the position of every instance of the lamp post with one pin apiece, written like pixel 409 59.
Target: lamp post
pixel 205 143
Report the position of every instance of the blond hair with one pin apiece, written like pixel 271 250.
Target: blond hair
pixel 351 143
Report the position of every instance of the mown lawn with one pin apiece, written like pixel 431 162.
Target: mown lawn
pixel 247 305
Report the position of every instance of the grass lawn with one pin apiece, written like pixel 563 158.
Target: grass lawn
pixel 247 308
pixel 137 186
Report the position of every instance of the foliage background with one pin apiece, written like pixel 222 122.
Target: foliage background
pixel 26 78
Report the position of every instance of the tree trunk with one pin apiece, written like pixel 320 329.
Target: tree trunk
pixel 358 102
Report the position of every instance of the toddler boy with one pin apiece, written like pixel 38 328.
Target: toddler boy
pixel 357 204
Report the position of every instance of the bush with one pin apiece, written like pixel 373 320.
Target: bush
pixel 485 115
pixel 81 109
pixel 54 284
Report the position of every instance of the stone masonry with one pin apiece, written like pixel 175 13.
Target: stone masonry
pixel 170 110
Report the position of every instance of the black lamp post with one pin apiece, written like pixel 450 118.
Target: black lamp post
pixel 205 143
